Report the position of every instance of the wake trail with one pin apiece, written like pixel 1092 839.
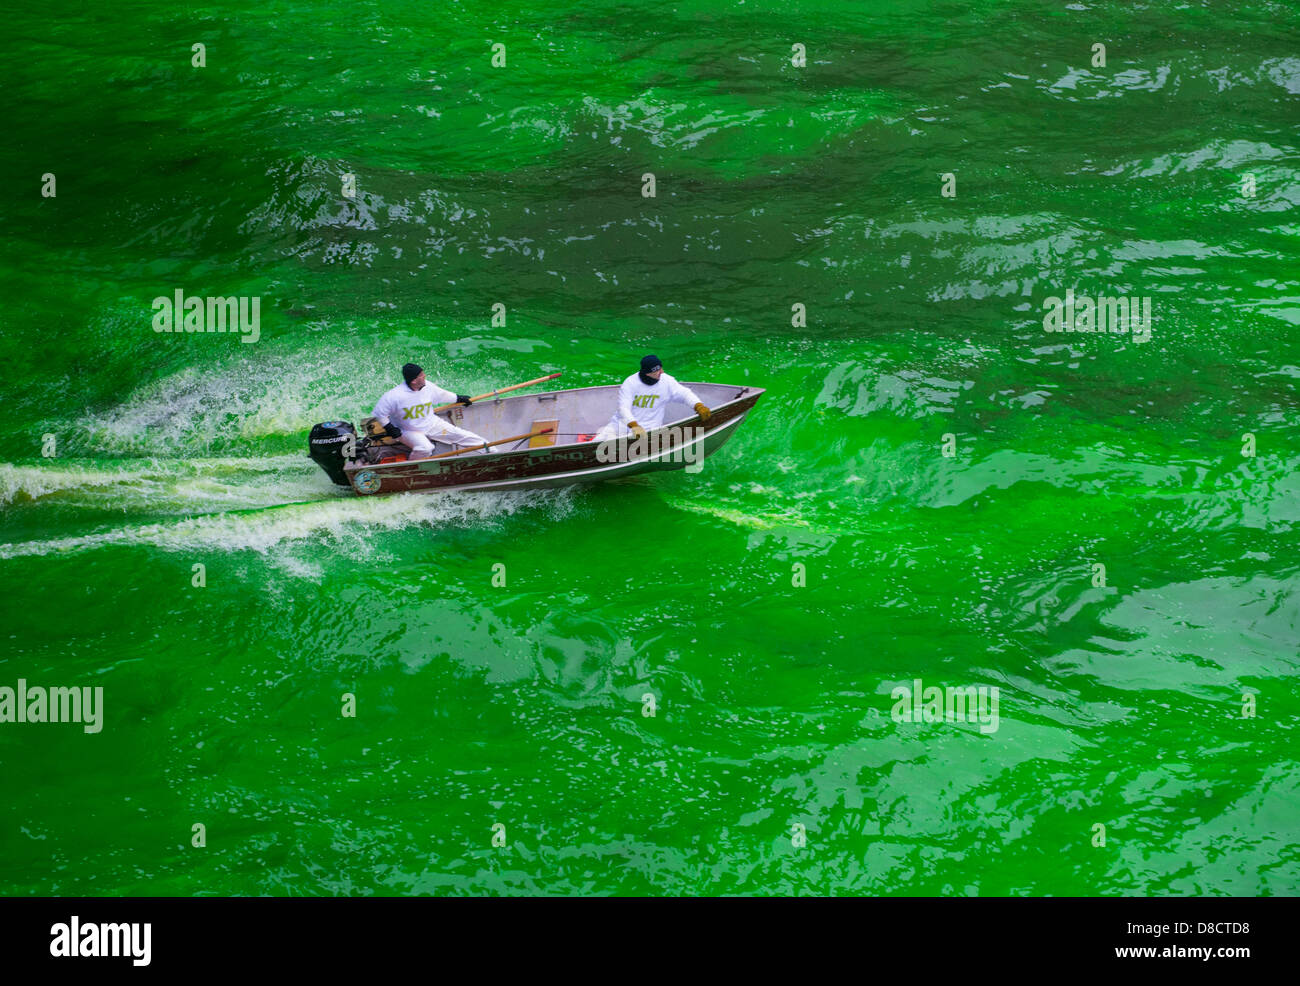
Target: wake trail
pixel 340 522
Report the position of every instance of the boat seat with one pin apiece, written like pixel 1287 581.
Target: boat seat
pixel 541 441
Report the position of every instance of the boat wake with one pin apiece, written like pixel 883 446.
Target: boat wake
pixel 242 403
pixel 249 517
pixel 166 485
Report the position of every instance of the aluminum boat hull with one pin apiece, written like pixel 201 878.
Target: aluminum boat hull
pixel 682 441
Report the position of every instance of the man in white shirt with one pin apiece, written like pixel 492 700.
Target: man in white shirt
pixel 642 398
pixel 408 409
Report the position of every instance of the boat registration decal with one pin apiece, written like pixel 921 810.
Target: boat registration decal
pixel 367 481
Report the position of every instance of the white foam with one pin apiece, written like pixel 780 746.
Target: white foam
pixel 244 400
pixel 342 522
pixel 165 486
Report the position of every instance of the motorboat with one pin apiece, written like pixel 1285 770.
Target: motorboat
pixel 533 441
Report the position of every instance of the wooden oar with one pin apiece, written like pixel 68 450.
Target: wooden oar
pixel 500 441
pixel 493 393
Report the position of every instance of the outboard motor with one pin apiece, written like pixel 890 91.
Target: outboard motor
pixel 331 444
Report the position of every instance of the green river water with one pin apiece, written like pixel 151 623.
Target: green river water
pixel 771 603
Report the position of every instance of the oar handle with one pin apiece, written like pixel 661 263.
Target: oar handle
pixel 499 441
pixel 503 390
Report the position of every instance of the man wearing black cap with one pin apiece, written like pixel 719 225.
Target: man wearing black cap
pixel 643 398
pixel 408 410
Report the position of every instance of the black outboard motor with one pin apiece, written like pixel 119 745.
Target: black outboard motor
pixel 331 444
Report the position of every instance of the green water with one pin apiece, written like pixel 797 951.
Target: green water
pixel 521 705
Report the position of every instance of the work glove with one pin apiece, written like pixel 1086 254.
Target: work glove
pixel 703 412
pixel 464 399
pixel 636 429
pixel 392 431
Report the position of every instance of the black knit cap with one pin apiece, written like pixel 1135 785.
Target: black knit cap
pixel 648 363
pixel 410 371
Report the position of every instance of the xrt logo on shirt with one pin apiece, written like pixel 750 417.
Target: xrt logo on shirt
pixel 645 400
pixel 415 411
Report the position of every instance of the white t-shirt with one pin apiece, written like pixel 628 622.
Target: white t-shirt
pixel 412 410
pixel 645 403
